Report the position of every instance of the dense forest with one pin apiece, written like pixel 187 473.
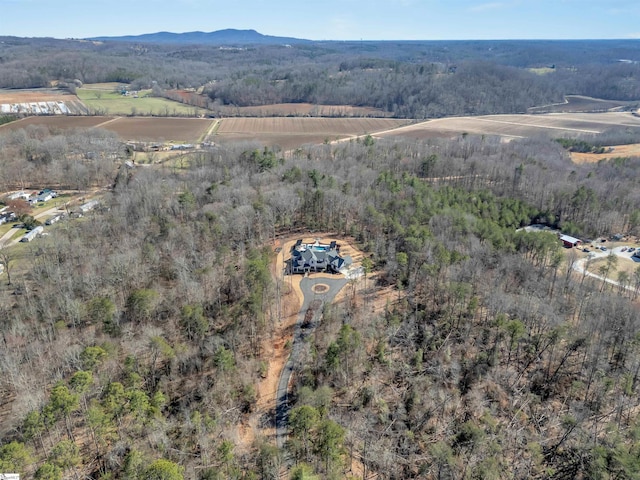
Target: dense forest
pixel 133 339
pixel 134 348
pixel 407 79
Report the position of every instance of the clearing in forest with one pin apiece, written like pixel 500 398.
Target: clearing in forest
pixel 631 150
pixel 276 350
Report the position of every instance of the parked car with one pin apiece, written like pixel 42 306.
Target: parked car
pixel 604 249
pixel 586 250
pixel 631 249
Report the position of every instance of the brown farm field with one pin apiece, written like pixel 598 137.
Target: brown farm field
pixel 518 126
pixel 159 129
pixel 291 132
pixel 579 103
pixel 150 129
pixel 34 95
pixel 300 110
pixel 58 121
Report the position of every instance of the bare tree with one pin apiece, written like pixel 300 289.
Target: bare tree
pixel 6 260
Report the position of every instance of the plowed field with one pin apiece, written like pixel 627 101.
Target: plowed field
pixel 159 129
pixel 290 132
pixel 579 103
pixel 151 129
pixel 514 126
pixel 34 95
pixel 300 109
pixel 58 121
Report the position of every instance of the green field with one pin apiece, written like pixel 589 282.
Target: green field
pixel 104 102
pixel 542 70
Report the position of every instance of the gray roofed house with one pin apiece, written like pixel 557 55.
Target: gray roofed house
pixel 317 258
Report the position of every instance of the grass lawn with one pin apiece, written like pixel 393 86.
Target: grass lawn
pixel 176 161
pixel 21 255
pixel 4 228
pixel 623 265
pixel 113 103
pixel 542 70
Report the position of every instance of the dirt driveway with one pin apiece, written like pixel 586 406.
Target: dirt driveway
pixel 276 349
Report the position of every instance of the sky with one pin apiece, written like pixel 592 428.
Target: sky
pixel 329 19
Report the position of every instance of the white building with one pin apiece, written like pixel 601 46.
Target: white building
pixel 32 234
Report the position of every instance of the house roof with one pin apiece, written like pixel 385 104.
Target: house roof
pixel 569 239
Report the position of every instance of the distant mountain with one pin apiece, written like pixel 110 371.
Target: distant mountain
pixel 228 36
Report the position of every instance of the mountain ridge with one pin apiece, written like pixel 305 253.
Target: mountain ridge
pixel 229 36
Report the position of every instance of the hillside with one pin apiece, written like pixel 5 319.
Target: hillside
pixel 140 337
pixel 163 328
pixel 418 80
pixel 228 36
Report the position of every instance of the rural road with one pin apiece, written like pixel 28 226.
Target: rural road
pixel 6 237
pixel 380 132
pixel 301 331
pixel 211 131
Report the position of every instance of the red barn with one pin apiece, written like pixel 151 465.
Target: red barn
pixel 569 242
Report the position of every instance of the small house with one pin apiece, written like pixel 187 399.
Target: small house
pixel 22 194
pixel 90 205
pixel 54 219
pixel 32 234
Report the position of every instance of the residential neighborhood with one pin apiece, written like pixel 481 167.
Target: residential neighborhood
pixel 33 210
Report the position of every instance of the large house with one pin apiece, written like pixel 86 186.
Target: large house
pixel 317 258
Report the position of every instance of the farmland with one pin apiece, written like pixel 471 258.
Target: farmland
pixel 300 110
pixel 289 125
pixel 58 122
pixel 579 103
pixel 288 132
pixel 518 126
pixel 110 102
pixel 291 132
pixel 160 129
pixel 146 129
pixel 20 100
